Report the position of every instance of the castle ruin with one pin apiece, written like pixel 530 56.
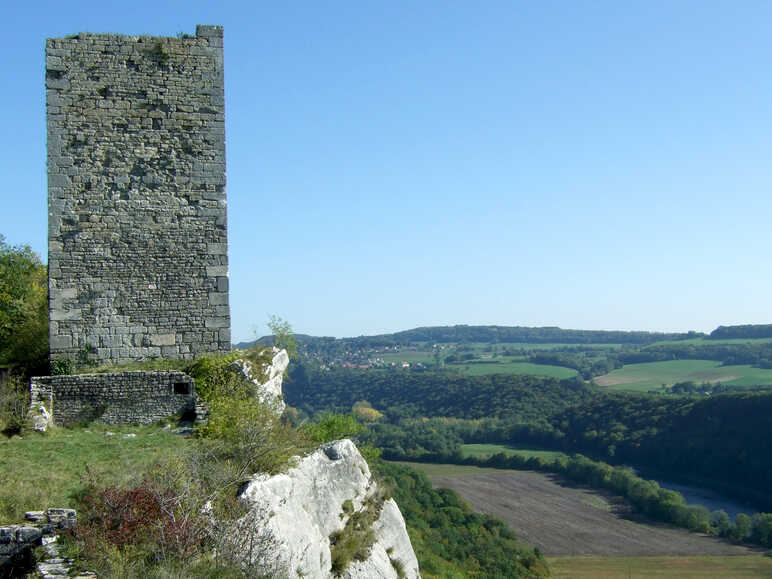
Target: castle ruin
pixel 137 238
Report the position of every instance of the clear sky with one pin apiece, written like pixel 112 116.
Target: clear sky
pixel 594 165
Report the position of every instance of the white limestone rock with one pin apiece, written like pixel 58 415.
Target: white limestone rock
pixel 41 418
pixel 268 392
pixel 301 508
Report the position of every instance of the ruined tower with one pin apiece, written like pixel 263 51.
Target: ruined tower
pixel 137 239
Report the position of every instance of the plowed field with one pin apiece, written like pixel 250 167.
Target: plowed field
pixel 567 521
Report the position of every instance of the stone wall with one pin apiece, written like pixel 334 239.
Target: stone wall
pixel 137 242
pixel 121 398
pixel 17 541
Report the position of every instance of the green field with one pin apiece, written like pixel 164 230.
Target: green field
pixel 411 356
pixel 671 567
pixel 484 450
pixel 652 375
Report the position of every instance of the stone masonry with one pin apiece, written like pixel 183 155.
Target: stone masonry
pixel 137 242
pixel 120 398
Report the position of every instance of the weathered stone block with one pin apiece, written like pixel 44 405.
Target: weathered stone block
pixel 218 299
pixel 27 534
pixel 61 342
pixel 217 322
pixel 163 340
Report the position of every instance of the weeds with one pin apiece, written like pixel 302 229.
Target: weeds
pixel 354 541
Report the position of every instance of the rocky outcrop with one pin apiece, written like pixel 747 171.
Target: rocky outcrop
pixel 306 514
pixel 268 391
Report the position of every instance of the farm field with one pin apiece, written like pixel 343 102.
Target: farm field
pixel 564 520
pixel 484 450
pixel 660 567
pixel 652 375
pixel 507 367
pixel 411 356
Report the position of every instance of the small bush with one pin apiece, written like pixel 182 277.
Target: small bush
pixel 145 526
pixel 331 427
pixel 398 566
pixel 353 542
pixel 61 367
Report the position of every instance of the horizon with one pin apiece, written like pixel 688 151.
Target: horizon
pixel 399 166
pixel 299 333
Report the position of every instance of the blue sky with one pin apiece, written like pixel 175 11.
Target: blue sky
pixel 597 165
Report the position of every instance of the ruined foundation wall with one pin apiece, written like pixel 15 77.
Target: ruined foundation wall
pixel 120 398
pixel 137 243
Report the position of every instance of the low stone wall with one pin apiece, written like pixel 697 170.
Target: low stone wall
pixel 121 398
pixel 16 541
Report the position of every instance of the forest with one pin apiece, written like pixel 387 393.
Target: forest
pixel 408 394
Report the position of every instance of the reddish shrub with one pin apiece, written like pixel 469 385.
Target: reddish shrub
pixel 143 516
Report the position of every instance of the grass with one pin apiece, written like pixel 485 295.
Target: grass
pixel 670 567
pixel 649 376
pixel 41 471
pixel 484 450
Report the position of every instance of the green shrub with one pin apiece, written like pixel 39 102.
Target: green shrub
pixel 330 426
pixel 61 367
pixel 214 378
pixel 250 435
pixel 353 542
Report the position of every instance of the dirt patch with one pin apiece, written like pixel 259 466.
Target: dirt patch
pixel 609 380
pixel 709 376
pixel 568 521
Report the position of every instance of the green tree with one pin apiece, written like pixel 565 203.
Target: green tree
pixel 283 336
pixel 23 310
pixel 742 527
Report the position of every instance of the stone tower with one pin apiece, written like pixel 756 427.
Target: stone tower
pixel 137 236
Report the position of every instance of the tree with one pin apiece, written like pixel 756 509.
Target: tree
pixel 23 310
pixel 283 336
pixel 742 527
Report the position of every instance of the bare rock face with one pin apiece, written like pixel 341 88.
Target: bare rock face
pixel 268 392
pixel 301 509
